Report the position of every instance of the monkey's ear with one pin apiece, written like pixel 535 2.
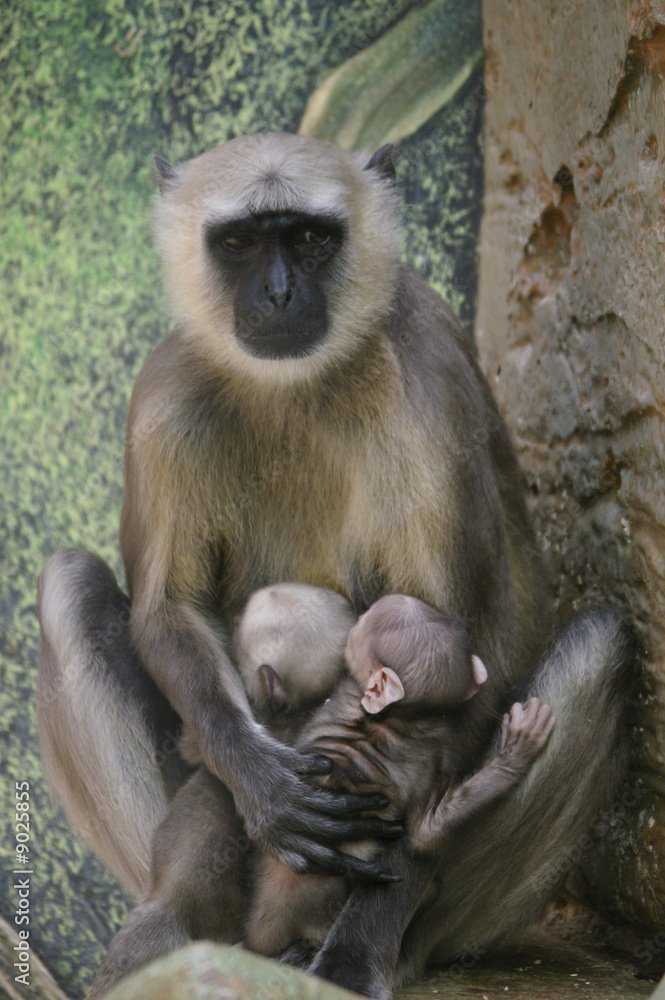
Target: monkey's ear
pixel 382 162
pixel 165 175
pixel 479 675
pixel 383 688
pixel 272 688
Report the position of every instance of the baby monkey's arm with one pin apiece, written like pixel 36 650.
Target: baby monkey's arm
pixel 524 732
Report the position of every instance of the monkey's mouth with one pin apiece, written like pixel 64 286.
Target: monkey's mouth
pixel 279 342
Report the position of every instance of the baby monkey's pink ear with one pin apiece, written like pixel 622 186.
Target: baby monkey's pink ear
pixel 383 688
pixel 479 675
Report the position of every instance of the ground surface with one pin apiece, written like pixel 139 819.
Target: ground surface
pixel 536 971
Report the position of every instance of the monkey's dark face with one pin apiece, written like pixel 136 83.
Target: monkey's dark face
pixel 279 268
pixel 280 253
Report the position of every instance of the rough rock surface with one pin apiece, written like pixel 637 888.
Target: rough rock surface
pixel 204 971
pixel 571 333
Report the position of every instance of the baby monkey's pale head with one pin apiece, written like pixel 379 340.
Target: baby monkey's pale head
pixel 290 645
pixel 403 649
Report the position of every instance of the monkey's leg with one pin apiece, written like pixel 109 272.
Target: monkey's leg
pixel 288 909
pixel 498 875
pixel 279 901
pixel 108 737
pixel 199 889
pixel 362 950
pixel 148 932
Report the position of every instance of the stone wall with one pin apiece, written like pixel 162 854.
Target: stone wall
pixel 571 334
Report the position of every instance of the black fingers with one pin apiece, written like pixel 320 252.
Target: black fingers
pixel 347 802
pixel 303 826
pixel 371 871
pixel 361 828
pixel 326 861
pixel 315 764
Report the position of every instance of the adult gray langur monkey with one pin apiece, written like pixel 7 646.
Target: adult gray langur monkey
pixel 318 416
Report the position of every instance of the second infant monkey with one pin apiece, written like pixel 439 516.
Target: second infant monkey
pixel 388 726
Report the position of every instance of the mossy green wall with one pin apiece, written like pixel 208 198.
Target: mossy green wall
pixel 89 92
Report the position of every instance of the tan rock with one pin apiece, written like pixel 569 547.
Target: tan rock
pixel 205 971
pixel 571 334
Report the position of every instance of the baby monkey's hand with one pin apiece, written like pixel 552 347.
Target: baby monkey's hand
pixel 524 732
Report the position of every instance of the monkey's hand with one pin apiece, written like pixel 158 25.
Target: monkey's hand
pixel 300 825
pixel 524 732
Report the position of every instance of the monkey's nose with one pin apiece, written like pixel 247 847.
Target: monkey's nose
pixel 279 297
pixel 279 283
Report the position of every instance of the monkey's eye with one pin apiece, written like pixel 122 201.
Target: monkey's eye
pixel 239 242
pixel 315 238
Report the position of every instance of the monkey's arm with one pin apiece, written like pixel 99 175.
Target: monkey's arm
pixel 524 732
pixel 293 821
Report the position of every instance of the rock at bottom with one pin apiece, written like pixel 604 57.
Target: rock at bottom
pixel 204 971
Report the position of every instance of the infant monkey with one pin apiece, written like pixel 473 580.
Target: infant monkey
pixel 399 682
